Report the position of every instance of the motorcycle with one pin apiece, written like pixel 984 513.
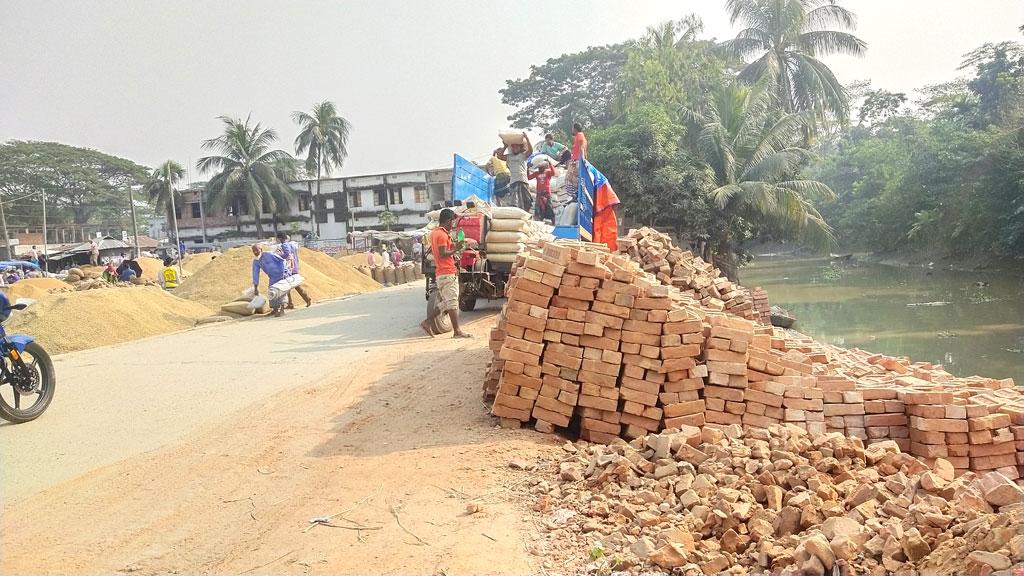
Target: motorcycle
pixel 26 366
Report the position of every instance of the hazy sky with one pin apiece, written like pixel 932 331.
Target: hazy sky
pixel 418 80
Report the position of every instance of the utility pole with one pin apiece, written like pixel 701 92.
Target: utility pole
pixel 174 216
pixel 202 210
pixel 7 238
pixel 135 223
pixel 46 251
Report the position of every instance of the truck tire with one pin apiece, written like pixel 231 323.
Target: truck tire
pixel 440 322
pixel 467 304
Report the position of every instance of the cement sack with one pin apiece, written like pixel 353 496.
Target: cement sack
pixel 509 213
pixel 76 271
pixel 257 302
pixel 509 226
pixel 502 258
pixel 539 160
pixel 389 276
pixel 375 273
pixel 510 137
pixel 506 237
pixel 401 275
pixel 238 308
pixel 505 248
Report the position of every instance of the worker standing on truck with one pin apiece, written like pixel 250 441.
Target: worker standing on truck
pixel 446 276
pixel 542 173
pixel 515 155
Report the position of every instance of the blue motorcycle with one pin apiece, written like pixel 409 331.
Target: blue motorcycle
pixel 27 368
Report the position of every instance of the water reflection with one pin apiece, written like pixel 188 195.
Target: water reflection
pixel 972 323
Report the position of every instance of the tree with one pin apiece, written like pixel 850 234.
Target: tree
pixel 162 184
pixel 573 87
pixel 880 105
pixel 387 219
pixel 323 138
pixel 788 37
pixel 245 174
pixel 755 155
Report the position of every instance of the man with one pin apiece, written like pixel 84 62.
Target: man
pixel 94 253
pixel 550 147
pixel 33 256
pixel 445 274
pixel 385 257
pixel 579 154
pixel 397 255
pixel 417 250
pixel 499 169
pixel 169 275
pixel 128 269
pixel 515 156
pixel 543 210
pixel 276 269
pixel 290 252
pixel 181 248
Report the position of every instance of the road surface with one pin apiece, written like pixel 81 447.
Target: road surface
pixel 209 450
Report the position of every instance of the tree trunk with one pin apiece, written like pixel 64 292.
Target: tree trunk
pixel 319 171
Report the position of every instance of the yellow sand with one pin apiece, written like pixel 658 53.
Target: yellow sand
pixel 78 320
pixel 223 279
pixel 361 259
pixel 193 262
pixel 34 288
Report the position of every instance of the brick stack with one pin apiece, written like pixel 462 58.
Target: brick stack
pixel 991 443
pixel 803 403
pixel 646 363
pixel 885 416
pixel 726 353
pixel 682 340
pixel 762 309
pixel 843 406
pixel 938 427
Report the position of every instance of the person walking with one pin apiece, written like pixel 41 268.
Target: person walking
pixel 277 271
pixel 446 276
pixel 290 252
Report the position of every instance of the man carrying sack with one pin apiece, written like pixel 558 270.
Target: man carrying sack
pixel 278 273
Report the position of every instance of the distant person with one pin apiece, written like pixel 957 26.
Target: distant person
pixel 276 269
pixel 550 147
pixel 515 155
pixel 370 260
pixel 499 169
pixel 128 269
pixel 290 251
pixel 417 250
pixel 120 259
pixel 33 256
pixel 542 209
pixel 446 275
pixel 109 273
pixel 397 256
pixel 579 155
pixel 94 253
pixel 181 249
pixel 169 275
pixel 385 256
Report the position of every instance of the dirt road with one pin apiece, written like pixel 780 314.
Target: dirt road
pixel 213 459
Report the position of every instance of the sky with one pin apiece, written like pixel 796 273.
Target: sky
pixel 418 80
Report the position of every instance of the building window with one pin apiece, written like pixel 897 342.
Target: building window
pixel 421 196
pixel 395 194
pixel 355 199
pixel 321 210
pixel 197 212
pixel 380 197
pixel 303 202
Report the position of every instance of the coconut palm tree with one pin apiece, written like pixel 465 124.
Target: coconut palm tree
pixel 245 170
pixel 162 191
pixel 787 37
pixel 323 139
pixel 756 155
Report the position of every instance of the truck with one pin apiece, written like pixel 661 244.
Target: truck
pixel 480 278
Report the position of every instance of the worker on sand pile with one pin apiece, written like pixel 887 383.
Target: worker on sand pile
pixel 169 275
pixel 290 252
pixel 277 271
pixel 128 269
pixel 446 275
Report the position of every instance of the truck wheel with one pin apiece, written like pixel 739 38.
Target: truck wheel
pixel 467 304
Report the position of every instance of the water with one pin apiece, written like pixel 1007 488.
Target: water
pixel 980 329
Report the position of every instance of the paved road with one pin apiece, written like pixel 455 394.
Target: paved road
pixel 118 401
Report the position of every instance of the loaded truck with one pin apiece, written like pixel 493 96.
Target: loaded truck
pixel 479 277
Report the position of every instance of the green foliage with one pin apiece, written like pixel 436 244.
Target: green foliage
pixel 81 185
pixel 245 170
pixel 323 138
pixel 573 87
pixel 162 184
pixel 387 219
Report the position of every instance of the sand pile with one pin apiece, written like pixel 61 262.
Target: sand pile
pixel 361 259
pixel 80 320
pixel 779 501
pixel 223 279
pixel 193 262
pixel 35 288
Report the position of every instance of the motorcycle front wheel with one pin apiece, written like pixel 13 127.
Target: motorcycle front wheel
pixel 21 402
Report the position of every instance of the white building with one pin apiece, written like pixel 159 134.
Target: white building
pixel 343 205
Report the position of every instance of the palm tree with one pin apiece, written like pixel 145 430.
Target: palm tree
pixel 246 175
pixel 162 191
pixel 323 138
pixel 788 37
pixel 755 155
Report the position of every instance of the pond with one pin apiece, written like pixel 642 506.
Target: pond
pixel 970 322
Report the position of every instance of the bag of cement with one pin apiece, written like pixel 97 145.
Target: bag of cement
pixel 257 302
pixel 72 278
pixel 247 294
pixel 375 274
pixel 509 213
pixel 508 225
pixel 502 258
pixel 77 272
pixel 505 248
pixel 510 137
pixel 499 236
pixel 239 308
pixel 539 160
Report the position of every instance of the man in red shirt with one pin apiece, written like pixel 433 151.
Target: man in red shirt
pixel 446 275
pixel 542 209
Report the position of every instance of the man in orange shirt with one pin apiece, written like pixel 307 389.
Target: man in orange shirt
pixel 446 275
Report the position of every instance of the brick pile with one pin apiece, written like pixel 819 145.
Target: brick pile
pixel 673 266
pixel 762 309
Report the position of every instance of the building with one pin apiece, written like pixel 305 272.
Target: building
pixel 343 205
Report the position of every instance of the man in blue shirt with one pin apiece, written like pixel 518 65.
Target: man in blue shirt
pixel 290 251
pixel 277 271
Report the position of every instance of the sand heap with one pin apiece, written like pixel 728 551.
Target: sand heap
pixel 193 262
pixel 778 501
pixel 360 259
pixel 35 288
pixel 78 320
pixel 222 279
